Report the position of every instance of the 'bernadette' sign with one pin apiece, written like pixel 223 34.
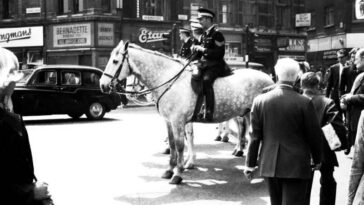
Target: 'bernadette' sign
pixel 148 36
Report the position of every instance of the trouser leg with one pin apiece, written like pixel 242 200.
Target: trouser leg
pixel 294 191
pixel 328 185
pixel 275 191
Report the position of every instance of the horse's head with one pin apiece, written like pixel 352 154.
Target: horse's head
pixel 117 68
pixel 9 74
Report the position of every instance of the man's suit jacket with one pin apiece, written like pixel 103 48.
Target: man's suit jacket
pixel 327 112
pixel 285 124
pixel 356 102
pixel 336 89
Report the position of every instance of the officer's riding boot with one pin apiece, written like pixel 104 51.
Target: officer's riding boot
pixel 209 94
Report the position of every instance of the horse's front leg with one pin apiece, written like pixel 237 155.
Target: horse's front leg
pixel 191 155
pixel 173 155
pixel 179 132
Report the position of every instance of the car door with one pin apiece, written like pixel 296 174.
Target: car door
pixel 42 94
pixel 71 81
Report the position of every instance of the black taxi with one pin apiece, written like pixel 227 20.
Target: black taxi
pixel 63 89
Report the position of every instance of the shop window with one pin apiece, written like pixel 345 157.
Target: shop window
pixel 283 17
pixel 63 7
pixel 70 6
pixel 153 7
pixel 225 13
pixel 329 16
pixel 106 7
pixel 8 10
pixel 232 49
pixel 34 57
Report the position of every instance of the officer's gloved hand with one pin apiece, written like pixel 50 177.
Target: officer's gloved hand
pixel 198 48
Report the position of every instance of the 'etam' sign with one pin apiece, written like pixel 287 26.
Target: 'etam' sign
pixel 148 36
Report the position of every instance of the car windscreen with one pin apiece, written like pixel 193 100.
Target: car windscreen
pixel 26 75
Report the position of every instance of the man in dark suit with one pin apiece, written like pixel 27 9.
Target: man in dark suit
pixel 187 41
pixel 327 112
pixel 339 82
pixel 284 123
pixel 353 102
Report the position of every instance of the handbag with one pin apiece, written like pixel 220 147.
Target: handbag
pixel 331 137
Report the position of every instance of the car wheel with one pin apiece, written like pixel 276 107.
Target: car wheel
pixel 75 116
pixel 95 111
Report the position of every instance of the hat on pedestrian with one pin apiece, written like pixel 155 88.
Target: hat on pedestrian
pixel 342 53
pixel 195 24
pixel 184 30
pixel 202 12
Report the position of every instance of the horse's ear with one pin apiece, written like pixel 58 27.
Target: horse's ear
pixel 126 45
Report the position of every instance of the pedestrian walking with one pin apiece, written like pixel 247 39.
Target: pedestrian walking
pixel 327 113
pixel 353 102
pixel 338 78
pixel 285 135
pixel 356 180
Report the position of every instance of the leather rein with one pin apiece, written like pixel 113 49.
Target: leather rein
pixel 117 73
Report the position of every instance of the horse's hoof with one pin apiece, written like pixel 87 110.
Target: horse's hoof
pixel 167 175
pixel 167 151
pixel 239 154
pixel 218 138
pixel 176 180
pixel 225 139
pixel 189 166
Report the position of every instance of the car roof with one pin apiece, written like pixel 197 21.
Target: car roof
pixel 66 66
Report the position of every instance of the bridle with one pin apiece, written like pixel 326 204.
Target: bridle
pixel 126 58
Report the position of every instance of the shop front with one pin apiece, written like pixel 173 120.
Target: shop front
pixel 157 36
pixel 26 42
pixel 88 43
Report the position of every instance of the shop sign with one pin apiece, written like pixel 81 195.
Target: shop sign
pixel 294 44
pixel 359 9
pixel 182 17
pixel 148 36
pixel 74 35
pixel 105 34
pixel 303 19
pixel 32 10
pixel 152 18
pixel 21 37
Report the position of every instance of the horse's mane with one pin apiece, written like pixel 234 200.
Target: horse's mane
pixel 157 53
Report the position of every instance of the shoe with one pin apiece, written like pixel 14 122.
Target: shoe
pixel 347 151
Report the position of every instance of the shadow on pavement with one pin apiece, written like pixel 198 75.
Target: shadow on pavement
pixel 66 121
pixel 216 179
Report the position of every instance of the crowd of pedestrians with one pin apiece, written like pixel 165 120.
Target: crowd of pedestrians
pixel 287 156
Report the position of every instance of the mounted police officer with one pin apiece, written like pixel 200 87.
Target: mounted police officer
pixel 211 54
pixel 187 41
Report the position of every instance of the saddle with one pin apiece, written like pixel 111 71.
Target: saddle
pixel 199 114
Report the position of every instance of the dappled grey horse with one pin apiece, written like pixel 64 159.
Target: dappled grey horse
pixel 175 99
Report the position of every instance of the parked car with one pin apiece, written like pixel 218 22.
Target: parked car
pixel 239 63
pixel 63 89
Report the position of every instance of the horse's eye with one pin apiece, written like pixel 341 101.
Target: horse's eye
pixel 115 61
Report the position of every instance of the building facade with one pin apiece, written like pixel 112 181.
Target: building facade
pixel 85 31
pixel 334 25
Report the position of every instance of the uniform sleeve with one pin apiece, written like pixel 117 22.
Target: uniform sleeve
pixel 256 135
pixel 313 132
pixel 218 51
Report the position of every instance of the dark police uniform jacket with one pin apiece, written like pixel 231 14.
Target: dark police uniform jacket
pixel 185 51
pixel 213 57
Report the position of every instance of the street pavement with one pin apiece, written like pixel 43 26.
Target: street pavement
pixel 118 161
